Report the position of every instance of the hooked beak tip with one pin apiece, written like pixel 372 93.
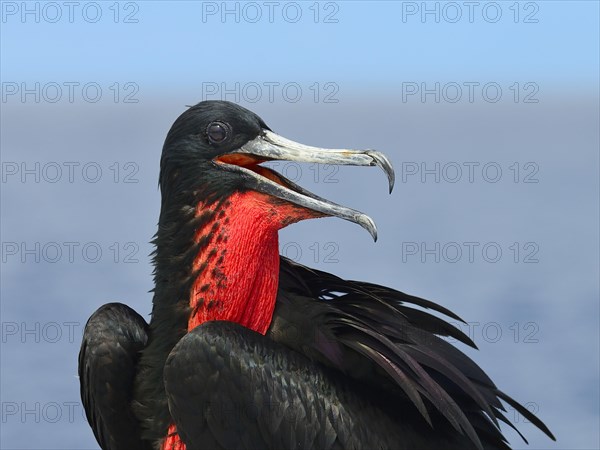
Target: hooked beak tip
pixel 379 159
pixel 368 224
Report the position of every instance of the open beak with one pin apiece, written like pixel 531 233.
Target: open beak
pixel 270 146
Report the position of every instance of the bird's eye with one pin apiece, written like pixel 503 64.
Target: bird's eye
pixel 217 132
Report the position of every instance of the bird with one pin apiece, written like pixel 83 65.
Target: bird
pixel 246 349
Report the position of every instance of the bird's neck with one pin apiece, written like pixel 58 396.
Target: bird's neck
pixel 215 260
pixel 237 263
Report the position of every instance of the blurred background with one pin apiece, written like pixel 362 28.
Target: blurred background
pixel 488 110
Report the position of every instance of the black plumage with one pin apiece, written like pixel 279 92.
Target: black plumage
pixel 114 336
pixel 343 364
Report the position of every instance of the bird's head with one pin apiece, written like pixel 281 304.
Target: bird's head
pixel 217 245
pixel 218 147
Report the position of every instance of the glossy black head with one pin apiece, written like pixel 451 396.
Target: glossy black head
pixel 202 133
pixel 215 148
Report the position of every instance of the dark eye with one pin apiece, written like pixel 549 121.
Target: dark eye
pixel 217 132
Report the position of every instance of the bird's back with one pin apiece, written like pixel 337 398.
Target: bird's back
pixel 395 350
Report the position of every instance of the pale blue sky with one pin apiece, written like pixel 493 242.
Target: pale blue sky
pixel 372 42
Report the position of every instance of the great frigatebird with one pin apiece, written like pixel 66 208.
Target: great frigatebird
pixel 246 349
